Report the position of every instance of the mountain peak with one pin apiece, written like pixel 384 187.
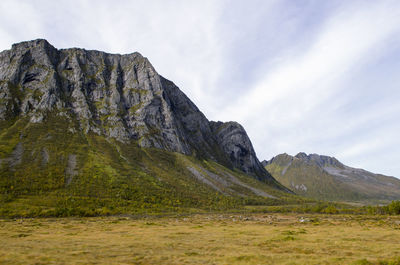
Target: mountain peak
pixel 116 96
pixel 320 160
pixel 36 44
pixel 301 155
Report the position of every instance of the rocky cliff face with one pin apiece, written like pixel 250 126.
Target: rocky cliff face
pixel 320 160
pixel 233 140
pixel 117 96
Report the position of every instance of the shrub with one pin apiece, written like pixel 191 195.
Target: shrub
pixel 330 209
pixel 394 207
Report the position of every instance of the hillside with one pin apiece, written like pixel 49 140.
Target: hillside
pixel 105 133
pixel 324 177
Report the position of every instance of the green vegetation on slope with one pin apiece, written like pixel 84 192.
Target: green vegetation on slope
pixel 325 178
pixel 318 184
pixel 48 169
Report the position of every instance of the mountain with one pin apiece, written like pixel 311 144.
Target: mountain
pixel 324 177
pixel 79 125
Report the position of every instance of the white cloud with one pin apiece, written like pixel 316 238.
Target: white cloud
pixel 179 37
pixel 285 71
pixel 18 20
pixel 312 76
pixel 293 106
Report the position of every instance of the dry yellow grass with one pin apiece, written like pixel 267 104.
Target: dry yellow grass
pixel 201 239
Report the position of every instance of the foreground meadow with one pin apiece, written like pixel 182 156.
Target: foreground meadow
pixel 203 239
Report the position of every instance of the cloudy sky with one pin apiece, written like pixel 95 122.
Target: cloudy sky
pixel 300 75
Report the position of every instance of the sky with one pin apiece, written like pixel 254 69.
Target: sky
pixel 299 75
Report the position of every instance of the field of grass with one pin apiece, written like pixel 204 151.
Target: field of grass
pixel 203 239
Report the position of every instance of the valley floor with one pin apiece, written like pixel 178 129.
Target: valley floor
pixel 203 239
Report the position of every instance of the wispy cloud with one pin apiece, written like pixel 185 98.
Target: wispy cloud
pixel 313 76
pixel 296 106
pixel 346 40
pixel 179 37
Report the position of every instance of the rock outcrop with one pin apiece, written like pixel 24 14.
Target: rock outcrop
pixel 235 143
pixel 117 96
pixel 320 160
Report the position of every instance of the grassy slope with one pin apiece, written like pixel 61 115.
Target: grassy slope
pixel 112 177
pixel 320 185
pixel 311 180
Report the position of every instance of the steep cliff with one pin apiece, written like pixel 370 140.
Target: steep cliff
pixel 71 113
pixel 118 96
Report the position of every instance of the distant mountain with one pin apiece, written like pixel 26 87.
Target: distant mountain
pixel 324 177
pixel 89 124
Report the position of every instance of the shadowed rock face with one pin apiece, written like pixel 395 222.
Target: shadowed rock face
pixel 117 96
pixel 236 144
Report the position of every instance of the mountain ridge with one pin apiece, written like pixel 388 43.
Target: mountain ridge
pixel 324 177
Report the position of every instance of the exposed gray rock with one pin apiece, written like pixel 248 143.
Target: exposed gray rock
pixel 45 156
pixel 70 170
pixel 118 96
pixel 299 187
pixel 256 191
pixel 15 158
pixel 320 160
pixel 225 181
pixel 237 146
pixel 16 155
pixel 203 179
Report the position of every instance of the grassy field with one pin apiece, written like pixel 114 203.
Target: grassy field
pixel 203 239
